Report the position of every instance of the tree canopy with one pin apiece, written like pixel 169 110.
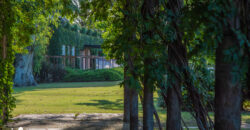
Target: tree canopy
pixel 185 49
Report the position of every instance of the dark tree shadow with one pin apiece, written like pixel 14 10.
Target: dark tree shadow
pixel 89 122
pixel 42 86
pixel 105 104
pixel 112 123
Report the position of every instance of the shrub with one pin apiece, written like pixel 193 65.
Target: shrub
pixel 77 75
pixel 50 73
pixel 246 105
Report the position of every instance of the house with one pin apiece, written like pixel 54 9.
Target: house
pixel 77 47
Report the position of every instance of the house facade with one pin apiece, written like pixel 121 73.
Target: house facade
pixel 76 47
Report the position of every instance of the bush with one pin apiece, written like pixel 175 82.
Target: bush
pixel 77 75
pixel 50 73
pixel 246 105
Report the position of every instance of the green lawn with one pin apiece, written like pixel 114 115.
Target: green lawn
pixel 92 97
pixel 88 97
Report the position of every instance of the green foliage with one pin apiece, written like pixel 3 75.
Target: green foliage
pixel 50 73
pixel 23 24
pixel 72 35
pixel 7 101
pixel 75 75
pixel 203 78
pixel 246 105
pixel 140 39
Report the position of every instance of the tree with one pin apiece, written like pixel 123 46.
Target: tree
pixel 42 32
pixel 148 11
pixel 17 26
pixel 167 37
pixel 227 72
pixel 6 61
pixel 176 55
pixel 119 38
pixel 24 70
pixel 126 114
pixel 247 5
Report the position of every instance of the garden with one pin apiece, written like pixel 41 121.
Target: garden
pixel 82 97
pixel 125 64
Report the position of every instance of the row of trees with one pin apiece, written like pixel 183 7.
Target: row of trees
pixel 158 41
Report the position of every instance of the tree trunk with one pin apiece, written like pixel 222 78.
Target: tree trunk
pixel 148 106
pixel 126 117
pixel 24 70
pixel 248 79
pixel 133 109
pixel 227 77
pixel 227 89
pixel 130 6
pixel 174 90
pixel 248 37
pixel 157 118
pixel 148 11
pixel 173 109
pixel 4 108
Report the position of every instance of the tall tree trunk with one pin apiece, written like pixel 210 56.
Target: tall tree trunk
pixel 248 78
pixel 133 109
pixel 148 104
pixel 133 98
pixel 6 61
pixel 227 78
pixel 173 107
pixel 248 37
pixel 174 91
pixel 227 90
pixel 24 70
pixel 130 7
pixel 4 108
pixel 157 118
pixel 148 11
pixel 126 117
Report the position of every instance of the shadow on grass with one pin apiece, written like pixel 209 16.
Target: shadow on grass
pixel 91 122
pixel 105 104
pixel 99 125
pixel 17 101
pixel 18 90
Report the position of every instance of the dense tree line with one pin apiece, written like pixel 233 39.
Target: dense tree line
pixel 161 40
pixel 158 42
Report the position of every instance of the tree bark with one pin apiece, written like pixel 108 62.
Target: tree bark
pixel 173 109
pixel 130 7
pixel 24 70
pixel 248 78
pixel 133 109
pixel 148 11
pixel 4 47
pixel 174 90
pixel 4 107
pixel 148 104
pixel 157 118
pixel 227 77
pixel 248 37
pixel 126 117
pixel 227 90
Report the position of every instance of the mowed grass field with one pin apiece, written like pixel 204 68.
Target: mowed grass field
pixel 90 97
pixel 87 97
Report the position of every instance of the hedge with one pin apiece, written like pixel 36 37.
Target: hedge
pixel 77 75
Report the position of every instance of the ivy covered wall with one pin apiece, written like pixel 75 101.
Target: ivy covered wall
pixel 72 35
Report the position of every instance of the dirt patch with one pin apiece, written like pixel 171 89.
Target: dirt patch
pixel 95 121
